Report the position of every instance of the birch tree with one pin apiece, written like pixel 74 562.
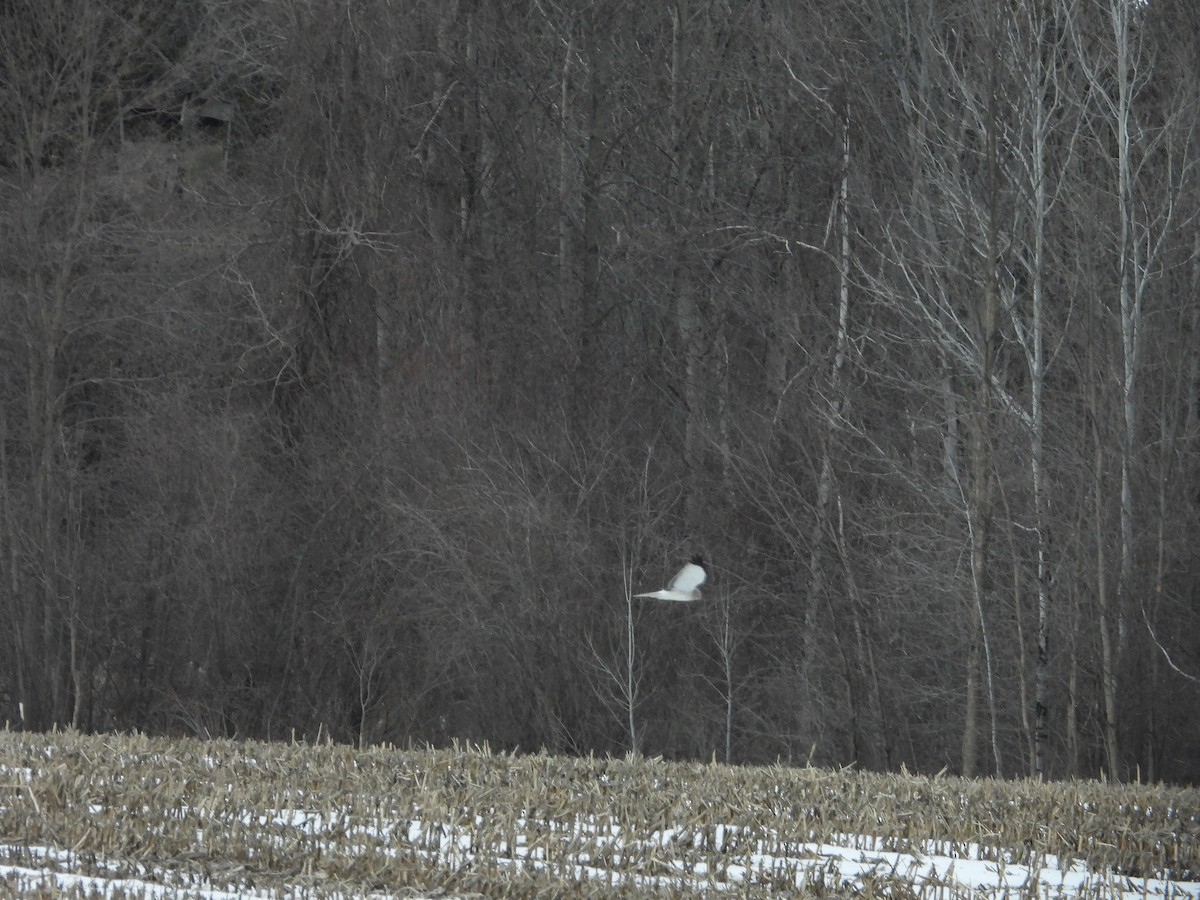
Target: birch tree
pixel 1144 174
pixel 1042 146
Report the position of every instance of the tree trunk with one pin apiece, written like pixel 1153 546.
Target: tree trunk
pixel 1108 672
pixel 822 525
pixel 1039 82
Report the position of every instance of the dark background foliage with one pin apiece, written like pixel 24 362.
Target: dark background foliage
pixel 360 359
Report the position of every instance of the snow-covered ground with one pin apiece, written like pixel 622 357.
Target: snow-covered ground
pixel 133 817
pixel 736 860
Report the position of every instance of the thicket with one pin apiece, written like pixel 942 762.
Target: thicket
pixel 360 359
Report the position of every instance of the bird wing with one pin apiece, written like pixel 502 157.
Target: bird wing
pixel 670 595
pixel 689 578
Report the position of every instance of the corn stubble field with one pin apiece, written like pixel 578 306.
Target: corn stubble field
pixel 135 816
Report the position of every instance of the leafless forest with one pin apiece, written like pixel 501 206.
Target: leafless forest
pixel 360 359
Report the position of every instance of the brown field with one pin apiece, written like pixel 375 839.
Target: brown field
pixel 267 818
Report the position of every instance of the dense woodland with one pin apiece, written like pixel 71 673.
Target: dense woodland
pixel 360 359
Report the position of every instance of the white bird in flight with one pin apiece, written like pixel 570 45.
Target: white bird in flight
pixel 684 587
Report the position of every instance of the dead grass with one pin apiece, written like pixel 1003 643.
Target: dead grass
pixel 327 820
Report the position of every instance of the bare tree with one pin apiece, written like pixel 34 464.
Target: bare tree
pixel 1147 171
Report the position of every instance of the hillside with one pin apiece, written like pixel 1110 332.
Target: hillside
pixel 361 361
